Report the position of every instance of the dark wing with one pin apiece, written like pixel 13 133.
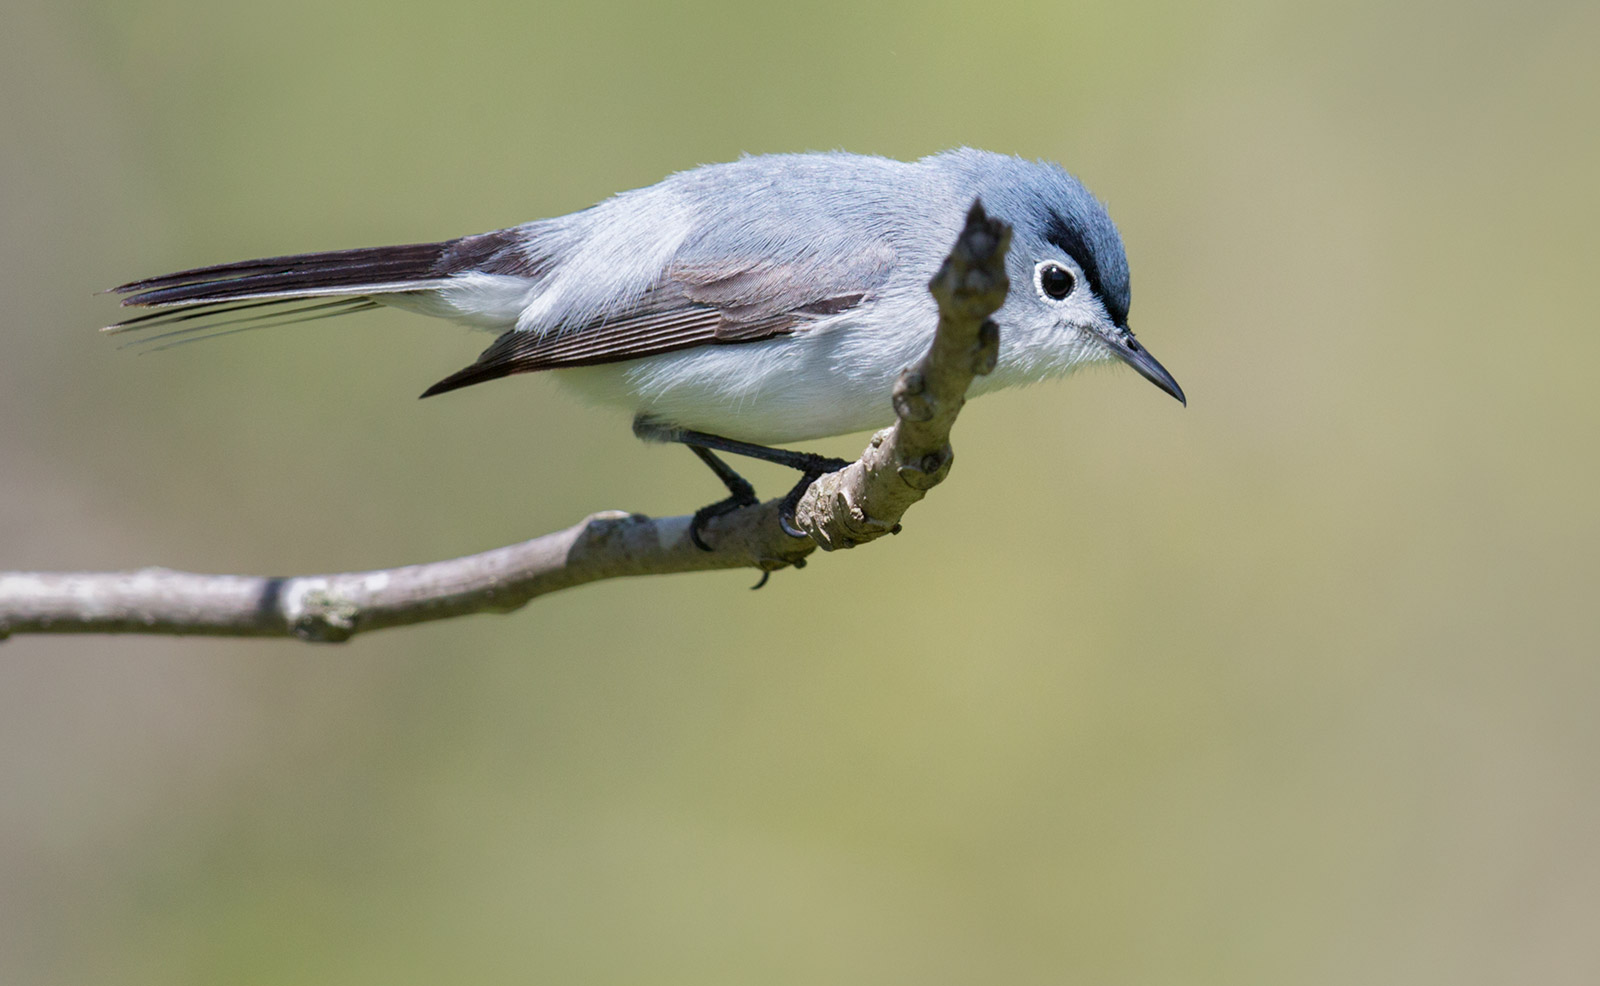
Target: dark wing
pixel 694 304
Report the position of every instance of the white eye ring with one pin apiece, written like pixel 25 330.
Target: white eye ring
pixel 1054 281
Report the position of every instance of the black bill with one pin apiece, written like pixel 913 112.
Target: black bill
pixel 1130 352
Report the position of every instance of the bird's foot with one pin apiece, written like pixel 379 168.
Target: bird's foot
pixel 741 493
pixel 814 467
pixel 745 497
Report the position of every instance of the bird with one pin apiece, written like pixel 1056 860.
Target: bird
pixel 732 307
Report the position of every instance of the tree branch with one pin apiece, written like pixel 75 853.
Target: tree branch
pixel 859 503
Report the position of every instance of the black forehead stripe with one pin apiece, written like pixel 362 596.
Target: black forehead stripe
pixel 1070 239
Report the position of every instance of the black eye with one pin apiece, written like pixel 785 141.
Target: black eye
pixel 1056 281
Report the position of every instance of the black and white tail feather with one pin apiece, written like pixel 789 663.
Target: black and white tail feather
pixel 208 302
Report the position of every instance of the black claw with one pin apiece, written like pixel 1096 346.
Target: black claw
pixel 694 531
pixel 711 511
pixel 764 577
pixel 786 519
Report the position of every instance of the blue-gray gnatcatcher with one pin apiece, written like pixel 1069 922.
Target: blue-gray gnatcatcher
pixel 732 307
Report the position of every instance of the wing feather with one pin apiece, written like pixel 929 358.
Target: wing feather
pixel 694 304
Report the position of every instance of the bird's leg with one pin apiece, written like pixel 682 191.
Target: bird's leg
pixel 740 494
pixel 810 466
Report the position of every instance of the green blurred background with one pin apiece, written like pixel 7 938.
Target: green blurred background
pixel 1297 685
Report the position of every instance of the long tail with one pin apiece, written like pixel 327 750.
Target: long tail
pixel 252 294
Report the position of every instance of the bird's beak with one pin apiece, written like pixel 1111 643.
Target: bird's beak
pixel 1128 349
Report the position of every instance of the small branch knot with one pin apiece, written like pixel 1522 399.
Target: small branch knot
pixel 972 282
pixel 847 525
pixel 986 352
pixel 326 619
pixel 912 402
pixel 929 471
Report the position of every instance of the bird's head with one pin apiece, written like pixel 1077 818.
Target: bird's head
pixel 1069 295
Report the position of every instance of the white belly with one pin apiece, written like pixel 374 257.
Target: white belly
pixel 791 389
